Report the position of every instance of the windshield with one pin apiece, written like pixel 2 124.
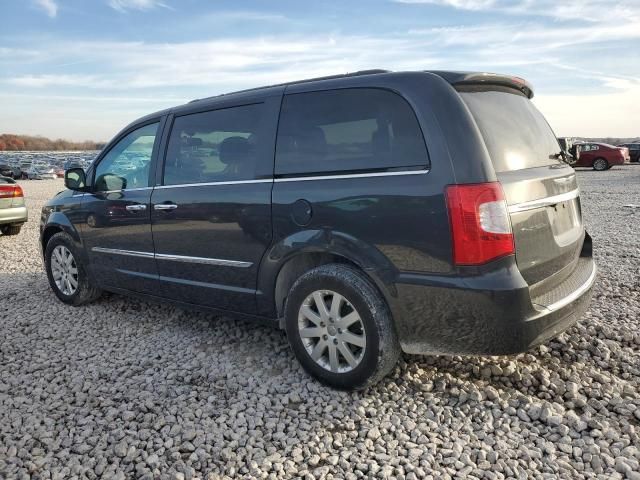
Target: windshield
pixel 515 132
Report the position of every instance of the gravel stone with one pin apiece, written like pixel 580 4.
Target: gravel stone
pixel 128 389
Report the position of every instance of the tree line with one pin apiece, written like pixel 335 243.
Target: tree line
pixel 11 142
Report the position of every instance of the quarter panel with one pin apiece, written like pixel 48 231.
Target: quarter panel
pixel 384 224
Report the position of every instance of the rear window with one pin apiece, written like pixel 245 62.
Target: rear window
pixel 348 130
pixel 515 132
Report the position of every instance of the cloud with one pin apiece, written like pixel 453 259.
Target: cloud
pixel 220 65
pixel 46 80
pixel 588 10
pixel 461 4
pixel 124 5
pixel 50 7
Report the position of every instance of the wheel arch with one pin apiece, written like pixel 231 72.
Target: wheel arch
pixel 56 223
pixel 286 261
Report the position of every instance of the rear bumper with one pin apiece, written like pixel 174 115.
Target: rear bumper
pixel 490 314
pixel 13 215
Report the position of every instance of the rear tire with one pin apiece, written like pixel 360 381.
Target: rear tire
pixel 10 229
pixel 340 328
pixel 67 276
pixel 600 164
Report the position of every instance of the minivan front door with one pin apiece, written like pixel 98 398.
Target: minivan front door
pixel 117 227
pixel 211 218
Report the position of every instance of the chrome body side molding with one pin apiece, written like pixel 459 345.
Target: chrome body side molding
pixel 174 258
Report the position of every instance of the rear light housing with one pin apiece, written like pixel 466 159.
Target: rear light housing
pixel 480 223
pixel 11 191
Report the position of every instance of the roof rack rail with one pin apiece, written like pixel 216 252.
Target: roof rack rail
pixel 295 82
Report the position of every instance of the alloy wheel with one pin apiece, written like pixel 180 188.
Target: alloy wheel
pixel 64 270
pixel 331 331
pixel 600 164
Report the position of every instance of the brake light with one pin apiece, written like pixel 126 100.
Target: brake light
pixel 480 224
pixel 10 191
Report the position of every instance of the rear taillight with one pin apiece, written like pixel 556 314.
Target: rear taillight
pixel 10 191
pixel 480 224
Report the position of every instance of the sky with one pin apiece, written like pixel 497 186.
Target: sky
pixel 82 70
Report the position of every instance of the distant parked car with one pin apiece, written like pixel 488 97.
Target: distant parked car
pixel 634 150
pixel 73 163
pixel 17 172
pixel 60 172
pixel 42 174
pixel 600 156
pixel 26 167
pixel 13 212
pixel 6 171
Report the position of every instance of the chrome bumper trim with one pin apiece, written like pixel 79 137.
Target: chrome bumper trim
pixel 576 293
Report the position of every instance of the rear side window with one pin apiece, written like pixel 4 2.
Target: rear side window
pixel 515 132
pixel 214 146
pixel 348 130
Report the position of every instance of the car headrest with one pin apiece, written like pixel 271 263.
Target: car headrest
pixel 233 149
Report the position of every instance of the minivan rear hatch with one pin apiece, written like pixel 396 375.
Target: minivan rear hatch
pixel 541 190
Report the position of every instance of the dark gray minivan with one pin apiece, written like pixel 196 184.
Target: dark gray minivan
pixel 366 214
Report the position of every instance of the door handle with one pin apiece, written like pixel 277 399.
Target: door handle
pixel 165 206
pixel 136 208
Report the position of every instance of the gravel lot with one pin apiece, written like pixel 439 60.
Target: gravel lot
pixel 128 389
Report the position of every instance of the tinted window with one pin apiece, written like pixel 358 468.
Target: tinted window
pixel 214 146
pixel 515 132
pixel 127 164
pixel 348 130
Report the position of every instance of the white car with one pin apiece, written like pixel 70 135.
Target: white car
pixel 42 174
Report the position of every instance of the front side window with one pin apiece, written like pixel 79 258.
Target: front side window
pixel 127 164
pixel 348 130
pixel 214 146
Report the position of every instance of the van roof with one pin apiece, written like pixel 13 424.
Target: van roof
pixel 453 77
pixel 296 82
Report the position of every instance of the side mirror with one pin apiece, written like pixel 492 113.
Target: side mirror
pixel 75 179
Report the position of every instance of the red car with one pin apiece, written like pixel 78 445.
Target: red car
pixel 600 156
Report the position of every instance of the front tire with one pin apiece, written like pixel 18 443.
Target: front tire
pixel 600 164
pixel 67 276
pixel 340 328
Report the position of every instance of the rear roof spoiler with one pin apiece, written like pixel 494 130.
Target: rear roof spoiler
pixel 482 78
